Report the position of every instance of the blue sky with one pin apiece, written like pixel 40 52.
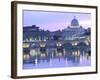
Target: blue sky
pixel 54 20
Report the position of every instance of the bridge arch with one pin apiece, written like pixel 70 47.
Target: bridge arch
pixel 82 47
pixel 82 44
pixel 67 46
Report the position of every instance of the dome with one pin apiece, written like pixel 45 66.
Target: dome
pixel 74 22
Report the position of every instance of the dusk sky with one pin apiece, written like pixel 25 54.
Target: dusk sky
pixel 54 20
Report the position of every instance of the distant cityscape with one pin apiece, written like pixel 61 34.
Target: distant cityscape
pixel 72 32
pixel 39 44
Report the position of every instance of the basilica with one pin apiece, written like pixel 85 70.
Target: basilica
pixel 73 31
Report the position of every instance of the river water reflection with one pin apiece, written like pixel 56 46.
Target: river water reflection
pixel 55 58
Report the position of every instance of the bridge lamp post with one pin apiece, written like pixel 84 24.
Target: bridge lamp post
pixel 74 43
pixel 59 45
pixel 26 55
pixel 42 47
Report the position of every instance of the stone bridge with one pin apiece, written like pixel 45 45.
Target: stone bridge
pixel 51 43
